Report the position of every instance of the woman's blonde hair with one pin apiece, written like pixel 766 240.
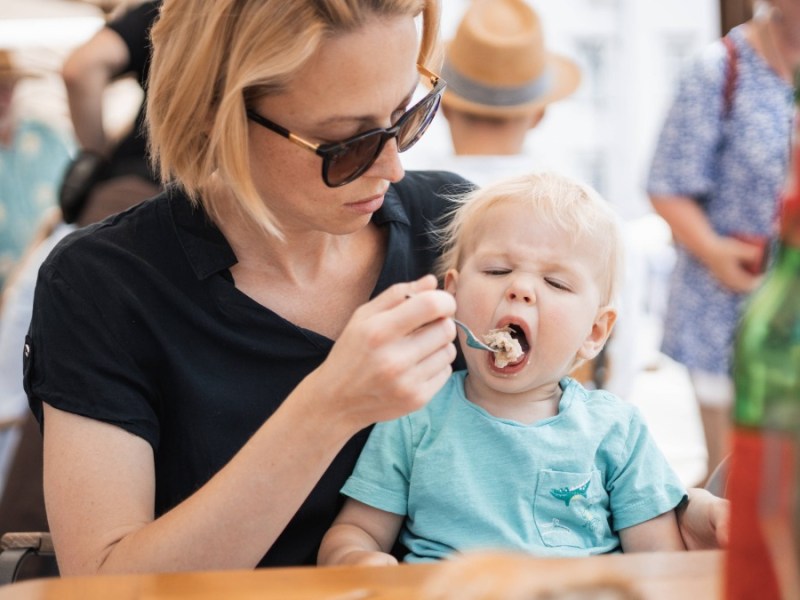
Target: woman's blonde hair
pixel 574 209
pixel 212 57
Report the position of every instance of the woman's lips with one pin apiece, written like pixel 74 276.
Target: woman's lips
pixel 368 206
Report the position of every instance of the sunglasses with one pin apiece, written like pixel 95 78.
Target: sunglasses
pixel 345 161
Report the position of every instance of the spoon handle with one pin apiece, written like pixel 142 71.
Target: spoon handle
pixel 473 341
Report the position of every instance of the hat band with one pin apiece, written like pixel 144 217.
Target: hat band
pixel 474 91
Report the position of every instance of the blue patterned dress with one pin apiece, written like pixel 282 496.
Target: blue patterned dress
pixel 31 170
pixel 735 167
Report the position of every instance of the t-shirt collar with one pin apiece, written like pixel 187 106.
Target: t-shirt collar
pixel 209 252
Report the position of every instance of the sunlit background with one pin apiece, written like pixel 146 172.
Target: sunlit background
pixel 630 52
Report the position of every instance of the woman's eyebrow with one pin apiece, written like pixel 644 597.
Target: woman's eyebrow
pixel 362 120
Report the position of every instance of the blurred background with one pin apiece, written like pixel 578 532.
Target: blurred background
pixel 630 53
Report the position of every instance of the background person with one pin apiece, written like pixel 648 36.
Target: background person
pixel 716 173
pixel 33 156
pixel 113 167
pixel 500 80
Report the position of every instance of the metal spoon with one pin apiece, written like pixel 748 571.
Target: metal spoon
pixel 473 341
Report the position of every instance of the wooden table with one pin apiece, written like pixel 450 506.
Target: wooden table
pixel 657 576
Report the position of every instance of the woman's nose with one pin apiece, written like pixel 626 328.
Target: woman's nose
pixel 388 165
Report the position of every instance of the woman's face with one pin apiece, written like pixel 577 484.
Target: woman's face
pixel 355 82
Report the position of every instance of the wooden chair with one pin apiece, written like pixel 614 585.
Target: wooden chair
pixel 593 374
pixel 16 548
pixel 25 555
pixel 717 482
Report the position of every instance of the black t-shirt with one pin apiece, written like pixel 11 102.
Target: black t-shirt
pixel 136 322
pixel 133 26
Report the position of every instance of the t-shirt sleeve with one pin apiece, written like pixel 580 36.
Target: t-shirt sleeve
pixel 133 26
pixel 643 484
pixel 381 476
pixel 75 362
pixel 684 159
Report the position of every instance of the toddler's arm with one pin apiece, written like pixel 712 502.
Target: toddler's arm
pixel 360 535
pixel 658 534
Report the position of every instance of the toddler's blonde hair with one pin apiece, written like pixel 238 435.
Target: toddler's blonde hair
pixel 574 209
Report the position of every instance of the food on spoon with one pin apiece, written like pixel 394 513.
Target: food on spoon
pixel 508 348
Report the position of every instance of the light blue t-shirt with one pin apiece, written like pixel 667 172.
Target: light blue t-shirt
pixel 31 170
pixel 563 486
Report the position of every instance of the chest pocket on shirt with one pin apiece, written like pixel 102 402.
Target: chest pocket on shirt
pixel 571 509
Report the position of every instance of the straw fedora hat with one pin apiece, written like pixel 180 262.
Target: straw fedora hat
pixel 9 73
pixel 497 65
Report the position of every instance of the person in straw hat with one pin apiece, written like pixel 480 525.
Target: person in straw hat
pixel 500 80
pixel 32 160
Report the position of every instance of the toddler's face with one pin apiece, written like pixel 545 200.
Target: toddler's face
pixel 526 275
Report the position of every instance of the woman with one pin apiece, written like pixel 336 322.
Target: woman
pixel 718 168
pixel 197 412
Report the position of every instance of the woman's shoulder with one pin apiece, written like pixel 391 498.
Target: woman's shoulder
pixel 139 231
pixel 429 193
pixel 431 186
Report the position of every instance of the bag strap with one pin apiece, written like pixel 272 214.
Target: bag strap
pixel 731 74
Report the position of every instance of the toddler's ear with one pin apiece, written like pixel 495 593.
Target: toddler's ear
pixel 601 329
pixel 451 281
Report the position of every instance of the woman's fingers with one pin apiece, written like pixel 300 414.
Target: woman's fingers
pixel 394 354
pixel 398 294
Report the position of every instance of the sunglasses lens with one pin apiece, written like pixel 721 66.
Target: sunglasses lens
pixel 353 159
pixel 417 122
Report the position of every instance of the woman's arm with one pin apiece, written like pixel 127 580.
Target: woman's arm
pixel 360 535
pixel 727 258
pixel 660 534
pixel 391 358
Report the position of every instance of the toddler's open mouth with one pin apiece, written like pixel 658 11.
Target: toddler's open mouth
pixel 510 342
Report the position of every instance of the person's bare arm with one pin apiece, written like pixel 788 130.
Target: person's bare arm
pixel 394 354
pixel 726 257
pixel 660 534
pixel 87 71
pixel 360 535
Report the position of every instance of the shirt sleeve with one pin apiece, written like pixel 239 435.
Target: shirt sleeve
pixel 74 361
pixel 382 473
pixel 685 156
pixel 133 27
pixel 643 484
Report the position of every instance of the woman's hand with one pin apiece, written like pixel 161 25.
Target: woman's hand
pixel 392 357
pixel 730 260
pixel 704 521
pixel 733 262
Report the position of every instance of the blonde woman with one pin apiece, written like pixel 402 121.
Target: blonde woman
pixel 206 364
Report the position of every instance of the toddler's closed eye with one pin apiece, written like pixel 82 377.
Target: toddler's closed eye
pixel 560 285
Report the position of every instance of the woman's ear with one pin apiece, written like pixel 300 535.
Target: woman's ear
pixel 451 281
pixel 601 329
